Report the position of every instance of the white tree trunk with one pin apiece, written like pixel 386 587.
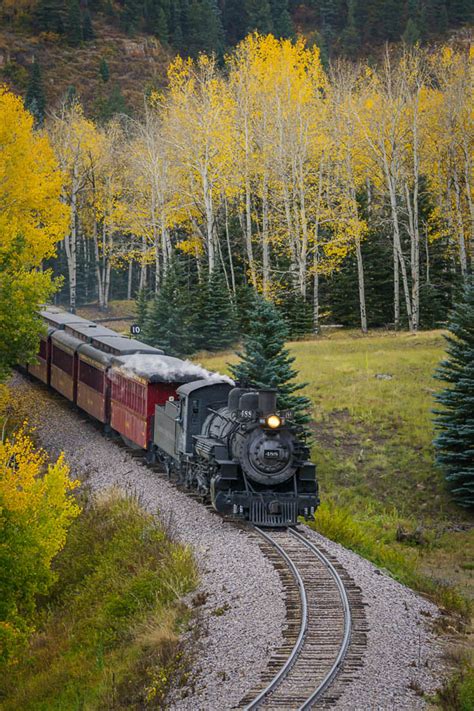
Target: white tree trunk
pixel 229 247
pixel 98 272
pixel 211 251
pixel 265 237
pixel 70 242
pixel 129 280
pixel 461 237
pixel 391 185
pixel 361 282
pixel 316 327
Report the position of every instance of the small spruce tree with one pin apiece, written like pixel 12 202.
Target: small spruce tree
pixel 169 320
pixel 298 315
pixel 73 23
pixel 47 16
pixel 160 25
pixel 282 23
pixel 350 35
pixel 218 316
pixel 454 443
pixel 266 363
pixel 141 308
pixel 104 70
pixel 35 100
pixel 205 32
pixel 87 28
pixel 70 96
pixel 412 34
pixel 259 16
pixel 114 104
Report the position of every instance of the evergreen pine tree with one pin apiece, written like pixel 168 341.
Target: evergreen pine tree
pixel 245 297
pixel 70 95
pixel 35 100
pixel 281 19
pixel 205 32
pixel 391 20
pixel 259 16
pixel 73 23
pixel 455 422
pixel 460 12
pixel 218 318
pixel 169 320
pixel 350 36
pixel 266 363
pixel 435 17
pixel 298 315
pixel 47 16
pixel 87 28
pixel 329 18
pixel 235 21
pixel 141 306
pixel 104 70
pixel 160 25
pixel 132 15
pixel 412 34
pixel 114 104
pixel 175 25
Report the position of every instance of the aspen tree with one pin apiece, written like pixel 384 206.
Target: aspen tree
pixel 199 128
pixel 380 111
pixel 108 202
pixel 448 158
pixel 32 220
pixel 151 162
pixel 74 137
pixel 347 149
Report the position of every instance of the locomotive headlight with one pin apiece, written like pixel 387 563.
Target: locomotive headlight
pixel 273 421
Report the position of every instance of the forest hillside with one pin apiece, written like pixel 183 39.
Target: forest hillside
pixel 173 168
pixel 109 52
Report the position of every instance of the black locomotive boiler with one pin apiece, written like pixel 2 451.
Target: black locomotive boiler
pixel 232 444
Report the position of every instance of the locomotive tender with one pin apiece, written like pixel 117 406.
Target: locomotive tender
pixel 227 443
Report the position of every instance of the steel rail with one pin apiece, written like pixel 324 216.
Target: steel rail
pixel 347 622
pixel 281 674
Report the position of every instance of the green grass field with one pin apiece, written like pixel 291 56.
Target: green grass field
pixel 372 399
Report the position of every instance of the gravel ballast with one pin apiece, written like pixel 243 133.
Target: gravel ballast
pixel 243 614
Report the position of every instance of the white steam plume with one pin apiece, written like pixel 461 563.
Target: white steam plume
pixel 169 369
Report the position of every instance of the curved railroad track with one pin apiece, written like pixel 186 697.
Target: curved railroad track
pixel 319 630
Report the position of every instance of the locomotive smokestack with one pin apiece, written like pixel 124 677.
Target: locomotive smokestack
pixel 267 401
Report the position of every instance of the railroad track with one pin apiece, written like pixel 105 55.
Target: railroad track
pixel 319 630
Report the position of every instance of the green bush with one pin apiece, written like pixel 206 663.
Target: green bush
pixel 110 626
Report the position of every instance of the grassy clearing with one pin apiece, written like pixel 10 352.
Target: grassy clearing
pixel 372 400
pixel 108 636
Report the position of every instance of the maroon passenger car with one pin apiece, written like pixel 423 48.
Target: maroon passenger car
pixel 139 382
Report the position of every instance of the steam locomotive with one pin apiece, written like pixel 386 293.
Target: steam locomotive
pixel 227 443
pixel 232 444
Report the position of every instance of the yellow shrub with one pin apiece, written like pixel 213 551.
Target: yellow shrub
pixel 36 509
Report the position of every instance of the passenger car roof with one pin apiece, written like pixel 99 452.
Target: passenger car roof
pixel 120 346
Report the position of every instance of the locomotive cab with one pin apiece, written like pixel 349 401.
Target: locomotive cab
pixel 179 421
